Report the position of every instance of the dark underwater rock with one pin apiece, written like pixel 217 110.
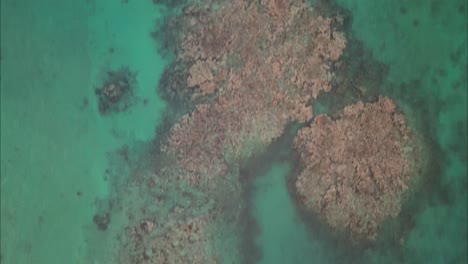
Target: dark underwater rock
pixel 117 94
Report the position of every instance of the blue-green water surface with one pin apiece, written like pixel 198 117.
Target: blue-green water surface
pixel 55 145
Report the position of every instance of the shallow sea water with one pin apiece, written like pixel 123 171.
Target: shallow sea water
pixel 56 147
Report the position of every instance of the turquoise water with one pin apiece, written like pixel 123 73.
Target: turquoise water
pixel 424 43
pixel 56 147
pixel 284 238
pixel 55 144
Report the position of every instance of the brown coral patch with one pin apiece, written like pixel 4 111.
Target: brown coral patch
pixel 252 67
pixel 282 51
pixel 356 167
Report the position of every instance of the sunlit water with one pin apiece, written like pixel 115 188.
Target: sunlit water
pixel 55 145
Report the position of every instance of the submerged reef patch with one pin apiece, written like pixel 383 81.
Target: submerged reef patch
pixel 262 63
pixel 243 72
pixel 358 166
pixel 102 221
pixel 249 69
pixel 117 93
pixel 172 222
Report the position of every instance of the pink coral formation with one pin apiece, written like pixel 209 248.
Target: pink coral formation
pixel 256 66
pixel 286 48
pixel 179 224
pixel 265 62
pixel 252 67
pixel 178 240
pixel 356 167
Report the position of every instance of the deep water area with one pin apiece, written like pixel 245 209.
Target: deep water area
pixel 91 101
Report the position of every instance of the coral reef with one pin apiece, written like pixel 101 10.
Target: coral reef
pixel 176 240
pixel 357 167
pixel 263 63
pixel 250 68
pixel 102 221
pixel 277 45
pixel 172 222
pixel 117 92
pixel 245 70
